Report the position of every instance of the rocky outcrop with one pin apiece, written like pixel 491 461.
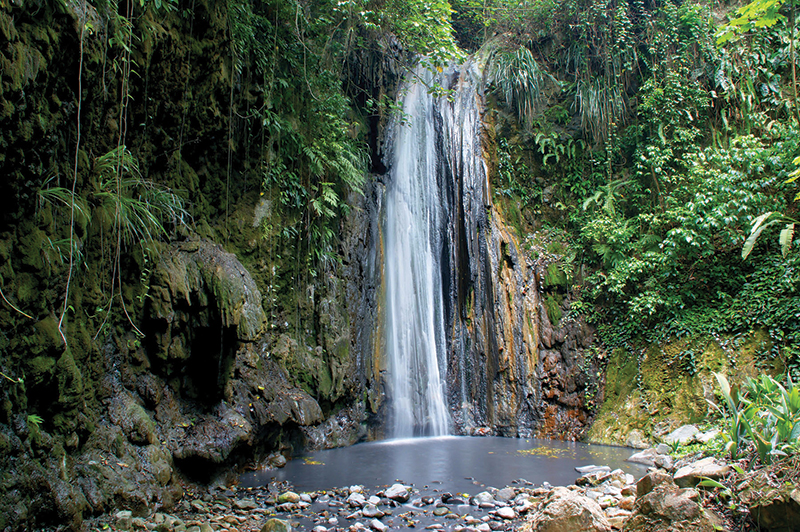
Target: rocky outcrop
pixel 568 511
pixel 662 506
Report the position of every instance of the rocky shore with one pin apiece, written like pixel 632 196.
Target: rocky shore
pixel 601 500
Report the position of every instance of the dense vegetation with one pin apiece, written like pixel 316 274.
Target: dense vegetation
pixel 651 146
pixel 668 134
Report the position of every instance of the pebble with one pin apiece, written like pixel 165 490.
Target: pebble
pixel 376 524
pixel 507 513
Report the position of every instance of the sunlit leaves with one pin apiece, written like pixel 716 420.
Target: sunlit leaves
pixel 756 14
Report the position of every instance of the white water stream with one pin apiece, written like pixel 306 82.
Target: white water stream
pixel 413 229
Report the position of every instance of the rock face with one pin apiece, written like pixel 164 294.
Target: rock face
pixel 512 369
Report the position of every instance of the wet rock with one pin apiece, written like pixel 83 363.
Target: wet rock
pixel 568 511
pixel 245 504
pixel 276 525
pixel 288 496
pixel 371 511
pixel 398 492
pixel 123 520
pixel 595 478
pixel 691 474
pixel 356 500
pixel 440 511
pixel 583 470
pixel 276 460
pixel 483 497
pixel 505 494
pixel 506 513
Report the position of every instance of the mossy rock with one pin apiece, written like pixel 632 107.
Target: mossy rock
pixel 671 385
pixel 554 276
pixel 553 307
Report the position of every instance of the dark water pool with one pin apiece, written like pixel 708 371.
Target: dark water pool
pixel 458 464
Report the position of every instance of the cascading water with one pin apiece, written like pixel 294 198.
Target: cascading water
pixel 415 220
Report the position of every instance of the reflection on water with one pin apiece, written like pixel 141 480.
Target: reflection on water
pixel 458 464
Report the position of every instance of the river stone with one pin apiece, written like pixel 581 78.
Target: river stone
pixel 276 525
pixel 483 497
pixel 356 500
pixel 648 482
pixel 124 520
pixel 245 504
pixel 378 525
pixel 439 511
pixel 370 511
pixel 594 478
pixel 689 475
pixel 288 496
pixel 276 460
pixel 682 435
pixel 398 492
pixel 705 437
pixel 663 461
pixel 505 494
pixel 506 513
pixel 565 510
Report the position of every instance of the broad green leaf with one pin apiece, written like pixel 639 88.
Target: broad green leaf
pixel 755 232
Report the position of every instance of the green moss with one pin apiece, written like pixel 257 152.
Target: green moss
pixel 553 307
pixel 554 276
pixel 70 381
pixel 40 369
pixel 669 386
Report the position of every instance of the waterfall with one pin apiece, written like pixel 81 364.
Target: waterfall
pixel 466 335
pixel 415 218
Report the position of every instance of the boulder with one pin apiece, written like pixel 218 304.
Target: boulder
pixel 774 508
pixel 662 506
pixel 646 457
pixel 683 435
pixel 565 510
pixel 691 474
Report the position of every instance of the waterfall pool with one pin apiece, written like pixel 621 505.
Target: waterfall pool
pixel 457 464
